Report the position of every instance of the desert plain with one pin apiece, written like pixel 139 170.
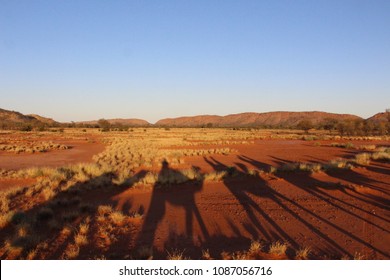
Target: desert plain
pixel 193 193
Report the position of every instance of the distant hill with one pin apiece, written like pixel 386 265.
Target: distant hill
pixel 13 119
pixel 380 117
pixel 279 119
pixel 43 119
pixel 125 122
pixel 191 121
pixel 270 119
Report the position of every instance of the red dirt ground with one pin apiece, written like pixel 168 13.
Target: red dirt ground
pixel 277 152
pixel 327 212
pixel 336 214
pixel 80 151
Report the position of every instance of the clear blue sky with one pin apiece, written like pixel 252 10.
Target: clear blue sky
pixel 82 60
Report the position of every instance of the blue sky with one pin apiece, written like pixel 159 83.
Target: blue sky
pixel 83 60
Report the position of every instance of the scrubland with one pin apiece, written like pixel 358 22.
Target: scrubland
pixel 196 193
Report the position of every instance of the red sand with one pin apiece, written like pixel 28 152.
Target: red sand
pixel 335 214
pixel 278 152
pixel 80 151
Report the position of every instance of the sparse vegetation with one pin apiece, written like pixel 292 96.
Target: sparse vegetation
pixel 83 210
pixel 303 254
pixel 363 159
pixel 278 248
pixel 385 155
pixel 32 147
pixel 300 166
pixel 348 145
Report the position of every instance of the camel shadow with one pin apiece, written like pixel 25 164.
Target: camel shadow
pixel 175 188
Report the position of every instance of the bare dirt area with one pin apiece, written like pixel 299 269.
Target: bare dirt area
pixel 278 152
pixel 166 198
pixel 78 151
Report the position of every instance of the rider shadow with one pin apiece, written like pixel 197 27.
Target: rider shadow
pixel 179 190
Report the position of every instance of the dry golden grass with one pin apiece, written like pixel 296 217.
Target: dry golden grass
pixel 104 210
pixel 5 219
pixel 300 166
pixel 117 218
pixel 338 164
pixel 303 253
pixel 71 252
pixel 363 159
pixel 255 247
pixel 80 239
pixel 4 203
pixel 367 147
pixel 384 156
pixel 278 248
pixel 32 147
pixel 343 145
pixel 84 228
pixel 215 176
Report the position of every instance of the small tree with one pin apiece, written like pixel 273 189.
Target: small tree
pixel 330 124
pixel 305 125
pixel 26 127
pixel 369 127
pixel 381 128
pixel 358 127
pixel 346 127
pixel 104 125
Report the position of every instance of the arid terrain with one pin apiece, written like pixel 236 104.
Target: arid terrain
pixel 197 193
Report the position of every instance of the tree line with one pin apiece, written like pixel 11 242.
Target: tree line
pixel 357 127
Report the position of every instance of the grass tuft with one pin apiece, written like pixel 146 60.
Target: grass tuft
pixel 278 248
pixel 363 159
pixel 303 253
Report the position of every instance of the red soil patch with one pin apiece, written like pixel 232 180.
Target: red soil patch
pixel 278 152
pixel 80 151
